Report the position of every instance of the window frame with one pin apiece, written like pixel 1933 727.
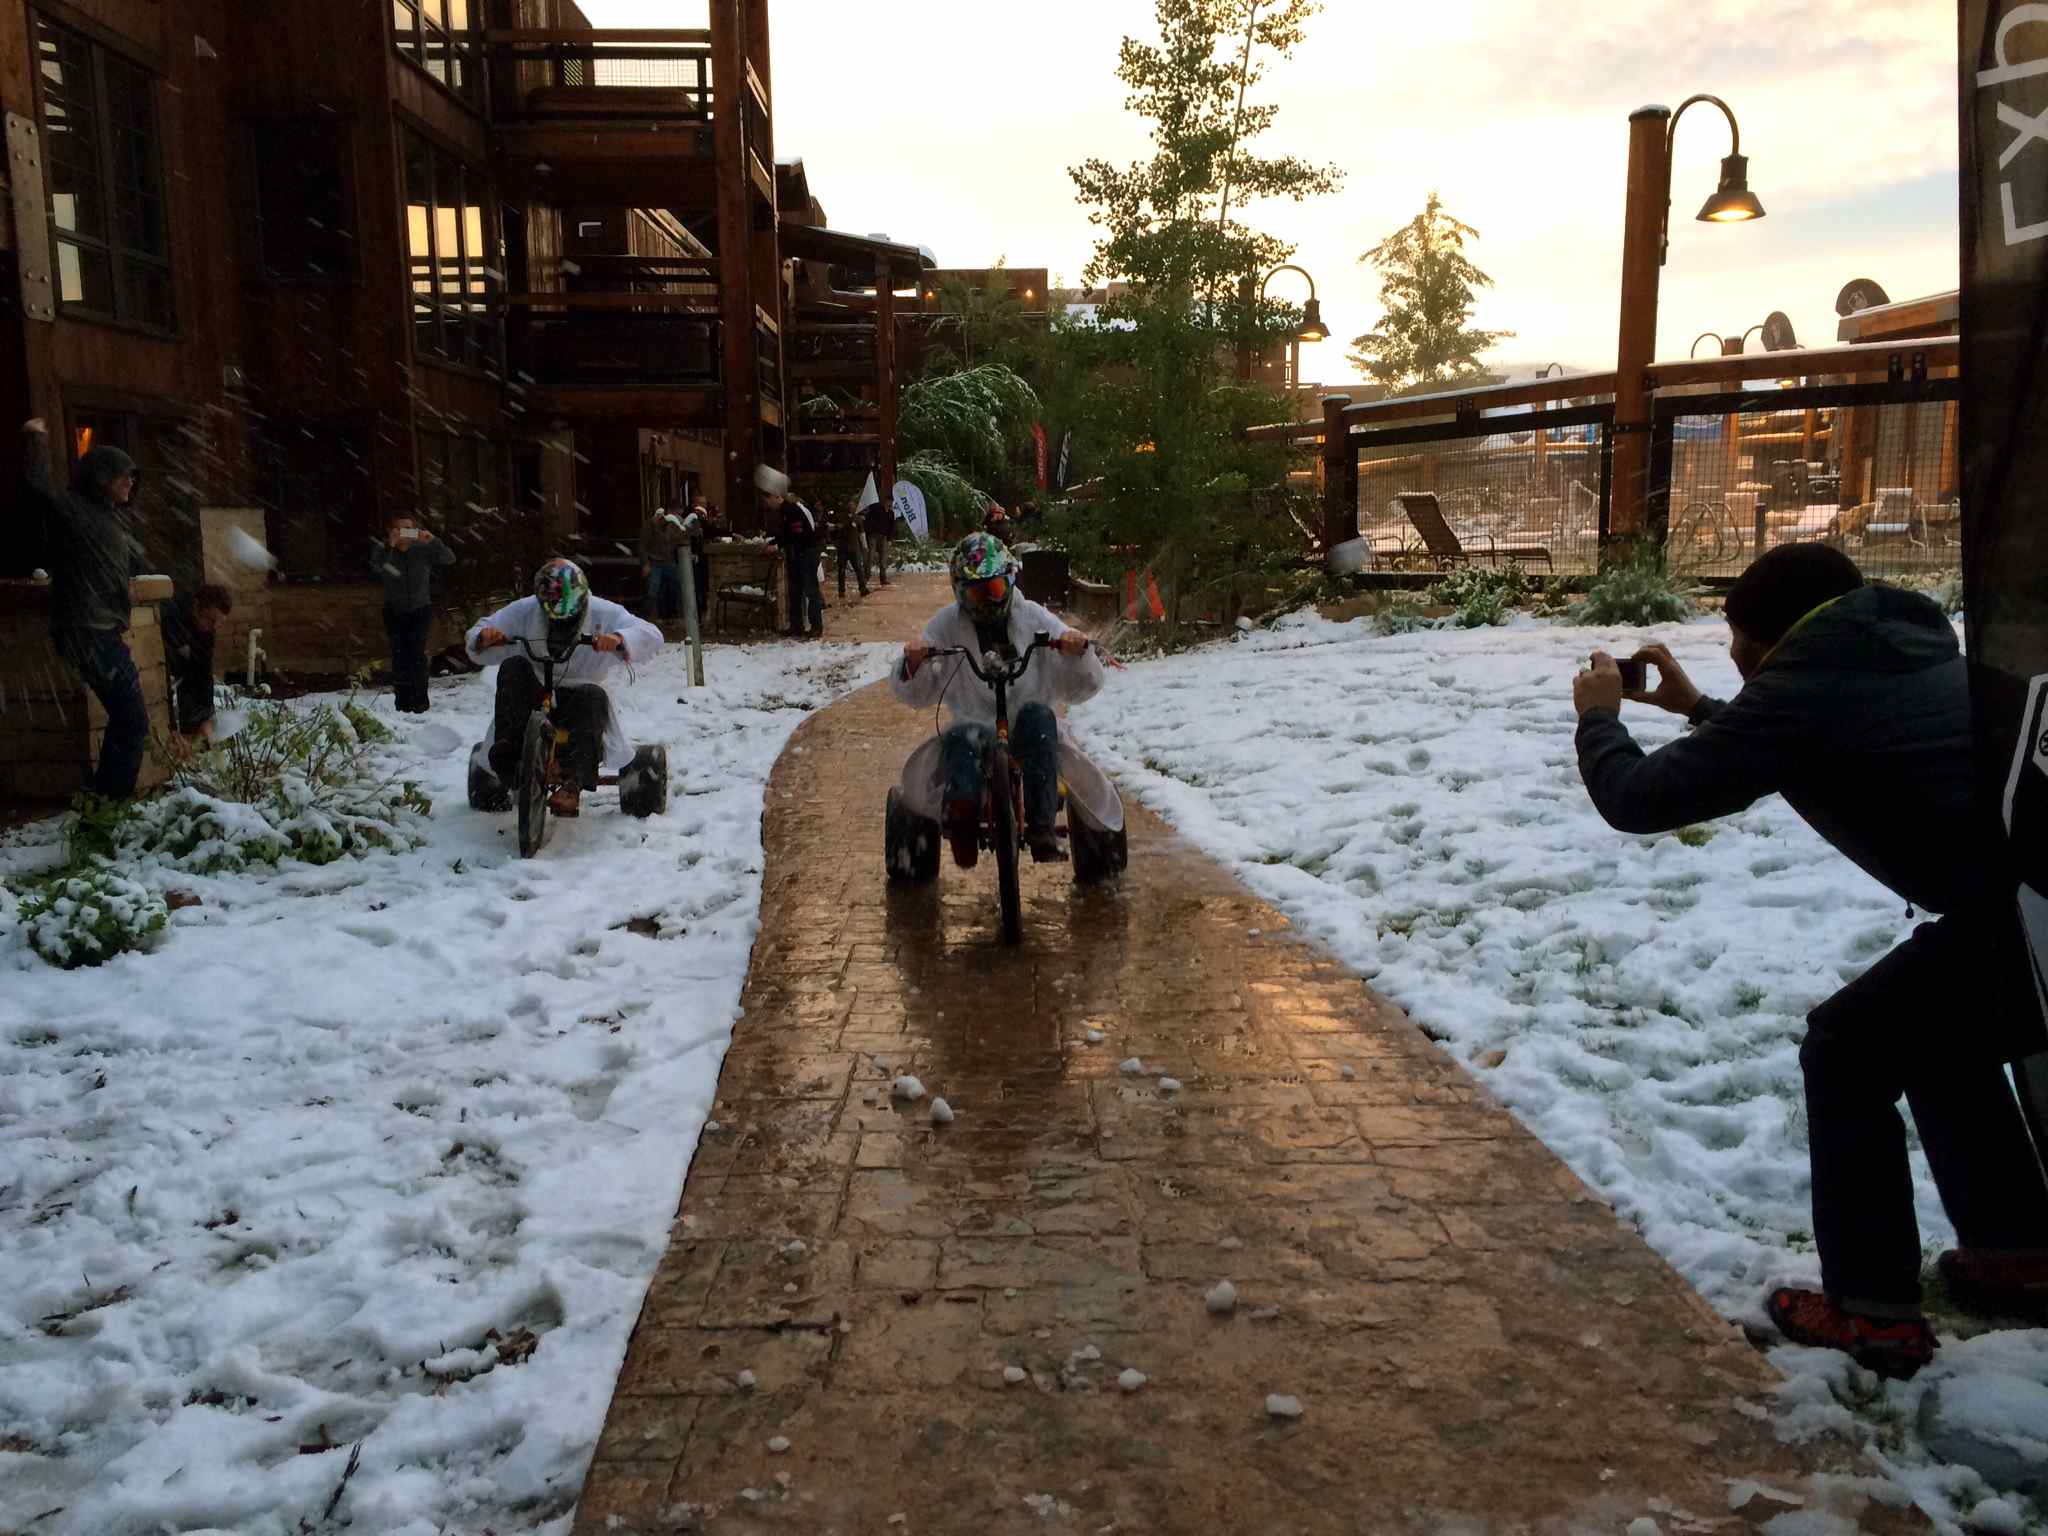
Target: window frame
pixel 108 183
pixel 460 293
pixel 257 270
pixel 464 45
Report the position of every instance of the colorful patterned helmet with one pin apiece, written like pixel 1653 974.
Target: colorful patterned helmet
pixel 564 595
pixel 984 577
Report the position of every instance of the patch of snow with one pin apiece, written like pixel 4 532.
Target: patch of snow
pixel 1131 1067
pixel 1130 1379
pixel 942 1112
pixel 1014 1374
pixel 427 1106
pixel 1222 1298
pixel 906 1088
pixel 1169 1085
pixel 778 1443
pixel 1281 1406
pixel 1094 1036
pixel 747 1381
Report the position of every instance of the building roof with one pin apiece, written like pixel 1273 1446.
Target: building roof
pixel 1938 314
pixel 906 263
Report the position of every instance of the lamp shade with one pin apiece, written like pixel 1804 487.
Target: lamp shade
pixel 1732 202
pixel 1312 327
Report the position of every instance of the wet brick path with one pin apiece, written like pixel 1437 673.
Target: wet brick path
pixel 935 1318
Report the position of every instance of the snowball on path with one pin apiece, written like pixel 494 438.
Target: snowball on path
pixel 1169 1085
pixel 778 1444
pixel 1094 1037
pixel 1644 1527
pixel 1014 1374
pixel 1222 1298
pixel 1281 1406
pixel 1131 1067
pixel 906 1088
pixel 746 1380
pixel 1130 1380
pixel 942 1112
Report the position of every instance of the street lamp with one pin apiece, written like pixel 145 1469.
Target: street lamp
pixel 1312 328
pixel 1646 238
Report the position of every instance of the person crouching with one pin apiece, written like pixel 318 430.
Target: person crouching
pixel 553 621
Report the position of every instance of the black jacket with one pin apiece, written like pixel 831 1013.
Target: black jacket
pixel 1861 720
pixel 93 551
pixel 408 573
pixel 799 531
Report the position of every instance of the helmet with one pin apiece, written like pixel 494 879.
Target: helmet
pixel 564 595
pixel 984 576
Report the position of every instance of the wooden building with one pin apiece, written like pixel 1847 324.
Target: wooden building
pixel 320 264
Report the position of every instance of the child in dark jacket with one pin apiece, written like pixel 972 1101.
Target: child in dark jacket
pixel 405 560
pixel 191 632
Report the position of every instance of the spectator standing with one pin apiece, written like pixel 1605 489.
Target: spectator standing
pixel 880 518
pixel 659 541
pixel 848 540
pixel 192 635
pixel 797 532
pixel 1855 705
pixel 405 560
pixel 93 555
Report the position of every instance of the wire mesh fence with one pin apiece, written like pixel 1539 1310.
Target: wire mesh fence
pixel 556 79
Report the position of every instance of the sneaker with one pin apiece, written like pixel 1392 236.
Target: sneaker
pixel 566 801
pixel 963 830
pixel 1044 844
pixel 1893 1348
pixel 1997 1282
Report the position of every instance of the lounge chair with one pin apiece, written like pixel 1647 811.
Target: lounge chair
pixel 1446 549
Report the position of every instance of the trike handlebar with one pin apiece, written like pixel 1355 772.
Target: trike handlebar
pixel 998 669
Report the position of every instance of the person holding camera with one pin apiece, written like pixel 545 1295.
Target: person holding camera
pixel 405 560
pixel 1855 706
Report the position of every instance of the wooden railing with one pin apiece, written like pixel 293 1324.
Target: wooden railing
pixel 645 74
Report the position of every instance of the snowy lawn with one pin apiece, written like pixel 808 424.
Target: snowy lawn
pixel 1414 802
pixel 378 1153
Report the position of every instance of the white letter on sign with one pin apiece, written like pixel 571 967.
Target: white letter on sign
pixel 2030 129
pixel 2018 16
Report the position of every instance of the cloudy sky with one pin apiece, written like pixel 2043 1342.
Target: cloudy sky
pixel 951 123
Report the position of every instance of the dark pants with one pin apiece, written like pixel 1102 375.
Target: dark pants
pixel 1934 1021
pixel 408 632
pixel 852 554
pixel 583 709
pixel 102 659
pixel 806 600
pixel 1034 744
pixel 664 589
pixel 878 556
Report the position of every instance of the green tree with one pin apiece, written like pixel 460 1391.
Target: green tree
pixel 959 433
pixel 1425 340
pixel 978 324
pixel 1157 416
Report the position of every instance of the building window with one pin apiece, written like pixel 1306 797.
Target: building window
pixel 305 217
pixel 459 493
pixel 106 183
pixel 439 37
pixel 453 282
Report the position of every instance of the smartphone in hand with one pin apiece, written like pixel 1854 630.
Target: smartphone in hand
pixel 1635 675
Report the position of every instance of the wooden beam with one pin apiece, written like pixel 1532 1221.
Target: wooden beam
pixel 1340 476
pixel 547 37
pixel 1866 358
pixel 1537 392
pixel 735 266
pixel 885 380
pixel 650 302
pixel 701 408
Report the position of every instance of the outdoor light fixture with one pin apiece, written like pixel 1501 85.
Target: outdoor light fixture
pixel 1713 336
pixel 1312 327
pixel 1732 201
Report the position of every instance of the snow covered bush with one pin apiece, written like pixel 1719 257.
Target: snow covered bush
pixel 1636 594
pixel 1482 595
pixel 88 918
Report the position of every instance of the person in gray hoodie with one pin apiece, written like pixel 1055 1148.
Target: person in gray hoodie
pixel 1855 706
pixel 93 555
pixel 405 561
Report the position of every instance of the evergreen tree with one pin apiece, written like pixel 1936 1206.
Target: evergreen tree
pixel 1423 341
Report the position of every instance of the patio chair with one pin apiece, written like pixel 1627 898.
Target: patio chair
pixel 1445 547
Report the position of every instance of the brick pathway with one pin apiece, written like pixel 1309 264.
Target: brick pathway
pixel 1476 1344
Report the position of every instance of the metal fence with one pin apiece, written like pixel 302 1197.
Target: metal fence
pixel 539 79
pixel 1869 468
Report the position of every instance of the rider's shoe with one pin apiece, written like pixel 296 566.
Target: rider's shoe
pixel 1892 1347
pixel 566 801
pixel 1044 844
pixel 963 830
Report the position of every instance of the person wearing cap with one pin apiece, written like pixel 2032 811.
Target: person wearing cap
pixel 1855 706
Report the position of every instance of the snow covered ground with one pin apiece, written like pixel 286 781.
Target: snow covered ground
pixel 1414 802
pixel 379 1153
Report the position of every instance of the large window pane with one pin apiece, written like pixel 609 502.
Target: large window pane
pixel 419 228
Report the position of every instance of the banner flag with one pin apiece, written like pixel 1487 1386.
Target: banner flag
pixel 910 508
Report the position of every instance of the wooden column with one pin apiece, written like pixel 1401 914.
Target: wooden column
pixel 1642 260
pixel 1807 427
pixel 735 264
pixel 1340 476
pixel 885 377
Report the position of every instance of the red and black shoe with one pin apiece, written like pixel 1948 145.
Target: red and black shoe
pixel 962 826
pixel 1892 1347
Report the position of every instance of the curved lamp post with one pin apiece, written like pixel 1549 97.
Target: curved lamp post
pixel 1646 237
pixel 1312 327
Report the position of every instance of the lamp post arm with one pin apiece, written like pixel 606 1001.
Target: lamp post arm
pixel 1670 139
pixel 1287 266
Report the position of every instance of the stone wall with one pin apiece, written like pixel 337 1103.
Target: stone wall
pixel 50 726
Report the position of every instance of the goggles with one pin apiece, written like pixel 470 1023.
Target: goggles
pixel 989 592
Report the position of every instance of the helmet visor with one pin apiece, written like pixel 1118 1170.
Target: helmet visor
pixel 989 596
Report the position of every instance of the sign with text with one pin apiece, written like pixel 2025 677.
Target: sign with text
pixel 2004 426
pixel 909 503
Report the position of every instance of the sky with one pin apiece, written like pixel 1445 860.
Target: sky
pixel 951 125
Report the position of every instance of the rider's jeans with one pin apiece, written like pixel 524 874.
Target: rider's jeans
pixel 584 710
pixel 1034 743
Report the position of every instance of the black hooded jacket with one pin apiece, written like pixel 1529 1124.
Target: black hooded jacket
pixel 1860 719
pixel 93 553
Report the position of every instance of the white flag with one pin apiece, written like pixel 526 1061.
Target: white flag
pixel 910 508
pixel 868 495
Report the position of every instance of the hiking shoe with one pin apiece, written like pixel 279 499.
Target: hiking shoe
pixel 1997 1282
pixel 1044 844
pixel 566 801
pixel 1895 1349
pixel 963 830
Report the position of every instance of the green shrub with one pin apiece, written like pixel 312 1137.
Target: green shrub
pixel 1482 595
pixel 88 917
pixel 1399 614
pixel 1641 592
